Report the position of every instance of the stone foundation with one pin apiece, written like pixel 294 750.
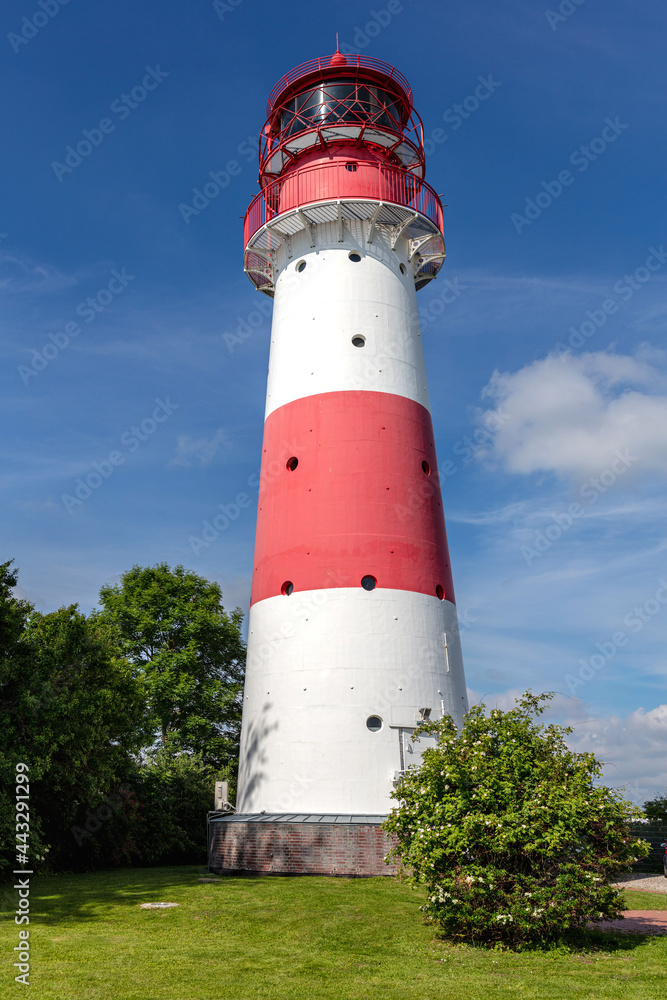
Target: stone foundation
pixel 303 845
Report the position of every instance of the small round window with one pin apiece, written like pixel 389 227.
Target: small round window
pixel 440 592
pixel 359 341
pixel 368 582
pixel 287 588
pixel 374 723
pixel 404 269
pixel 426 468
pixel 301 266
pixel 355 257
pixel 292 463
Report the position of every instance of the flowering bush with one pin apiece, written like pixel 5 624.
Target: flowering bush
pixel 507 831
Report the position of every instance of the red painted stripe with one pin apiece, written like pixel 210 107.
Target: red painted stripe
pixel 358 502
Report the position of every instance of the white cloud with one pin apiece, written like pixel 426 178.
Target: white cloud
pixel 632 748
pixel 198 451
pixel 573 414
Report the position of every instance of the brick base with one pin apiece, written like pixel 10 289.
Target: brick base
pixel 283 848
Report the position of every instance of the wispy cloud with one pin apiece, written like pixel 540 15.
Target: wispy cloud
pixel 198 451
pixel 20 275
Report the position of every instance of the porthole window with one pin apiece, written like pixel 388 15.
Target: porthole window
pixel 354 257
pixel 287 588
pixel 426 468
pixel 368 582
pixel 359 341
pixel 374 723
pixel 439 592
pixel 292 463
pixel 301 266
pixel 404 269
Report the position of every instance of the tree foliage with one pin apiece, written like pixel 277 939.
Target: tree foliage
pixel 173 627
pixel 508 831
pixel 656 810
pixel 81 700
pixel 73 709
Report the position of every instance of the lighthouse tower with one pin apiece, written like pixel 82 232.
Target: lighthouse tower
pixel 353 637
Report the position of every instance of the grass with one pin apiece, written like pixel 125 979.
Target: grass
pixel 288 939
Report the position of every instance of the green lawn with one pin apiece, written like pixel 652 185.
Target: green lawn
pixel 282 938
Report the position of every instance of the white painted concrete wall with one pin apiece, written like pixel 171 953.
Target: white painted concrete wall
pixel 321 662
pixel 317 311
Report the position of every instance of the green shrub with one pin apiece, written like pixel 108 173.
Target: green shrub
pixel 173 795
pixel 508 832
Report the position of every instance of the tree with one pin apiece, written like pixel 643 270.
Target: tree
pixel 73 710
pixel 173 627
pixel 656 810
pixel 508 832
pixel 13 616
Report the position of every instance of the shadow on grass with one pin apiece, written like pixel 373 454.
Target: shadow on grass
pixel 79 897
pixel 579 942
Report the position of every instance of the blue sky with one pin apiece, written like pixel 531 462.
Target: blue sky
pixel 545 352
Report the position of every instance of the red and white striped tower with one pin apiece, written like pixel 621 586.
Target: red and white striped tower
pixel 353 632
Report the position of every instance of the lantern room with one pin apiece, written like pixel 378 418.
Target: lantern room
pixel 341 100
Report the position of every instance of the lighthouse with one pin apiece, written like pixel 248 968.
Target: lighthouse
pixel 352 636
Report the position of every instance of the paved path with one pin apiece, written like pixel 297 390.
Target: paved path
pixel 645 883
pixel 637 922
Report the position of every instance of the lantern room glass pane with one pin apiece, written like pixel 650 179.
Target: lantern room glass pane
pixel 340 101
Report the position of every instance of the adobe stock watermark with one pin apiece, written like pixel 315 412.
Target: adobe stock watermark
pixel 87 310
pixel 302 606
pixel 634 621
pixel 624 288
pixel 455 115
pixel 122 108
pixel 469 445
pixel 229 513
pixel 219 180
pixel 591 490
pixel 580 158
pixel 378 20
pixel 449 292
pixel 224 7
pixel 246 327
pixel 466 447
pixel 113 803
pixel 131 440
pixel 565 10
pixel 31 27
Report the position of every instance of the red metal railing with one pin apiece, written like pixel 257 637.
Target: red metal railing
pixel 351 62
pixel 333 181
